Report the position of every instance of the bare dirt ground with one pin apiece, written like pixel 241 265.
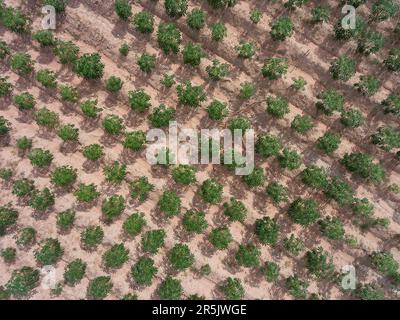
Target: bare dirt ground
pixel 94 27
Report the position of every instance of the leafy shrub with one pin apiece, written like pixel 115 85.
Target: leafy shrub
pixel 370 42
pixel 271 271
pixel 144 22
pixel 134 224
pixel 59 5
pixel 267 145
pixel 194 221
pixel 217 110
pixel 44 37
pixel 217 70
pixel 116 256
pixel 386 138
pixel 277 192
pixel 277 106
pixel 346 34
pixel 42 200
pixel 184 174
pixel 87 192
pixel 23 187
pixel 196 19
pixel 235 210
pixel 89 66
pixel 68 133
pixel 113 124
pixel 93 152
pixel 384 9
pixel 139 100
pixel 8 218
pixel 46 118
pixel 245 49
pixel 329 102
pixel 123 9
pixel 168 80
pixel 134 140
pixel 218 31
pixel 114 84
pixel 22 63
pixel 392 62
pixel 8 254
pixel 384 262
pixel 220 238
pixel 314 177
pixel 392 104
pixel 361 165
pixel 69 93
pixel 112 207
pixel 190 95
pixel 169 37
pixel 5 87
pixel 247 90
pixel 303 211
pixel 232 289
pixel 5 126
pixel 74 272
pixel 289 159
pixel 329 142
pixel 124 49
pixel 302 124
pixel 267 230
pixel 169 203
pixel 49 253
pixel 274 68
pixel 255 15
pixel 352 118
pixel 99 288
pixel 5 174
pixel 91 237
pixel 14 19
pixel 147 62
pixel 161 116
pixel 368 85
pixel 153 240
pixel 89 108
pixel 293 245
pixel 332 228
pixel 66 51
pixel 22 281
pixel 24 143
pixel 281 28
pixel 320 14
pixel 180 257
pixel 340 191
pixel 4 49
pixel 143 271
pixel 296 287
pixel 66 219
pixel 342 68
pixel 299 83
pixel 140 188
pixel 248 255
pixel 40 157
pixel 319 263
pixel 170 289
pixel 255 178
pixel 370 292
pixel 239 123
pixel 63 176
pixel 211 191
pixel 24 101
pixel 26 237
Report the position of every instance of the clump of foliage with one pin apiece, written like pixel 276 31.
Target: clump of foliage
pixel 190 95
pixel 44 37
pixel 91 237
pixel 352 118
pixel 368 85
pixel 245 49
pixel 153 240
pixel 314 177
pixel 255 178
pixel 271 271
pixel 68 133
pixel 392 104
pixel 319 263
pixel 22 281
pixel 329 142
pixel 46 118
pixel 49 253
pixel 134 140
pixel 247 90
pixel 65 219
pixel 116 256
pixel 5 174
pixel 343 68
pixel 218 31
pixel 89 108
pixel 69 93
pixel 66 51
pixel 342 33
pixel 147 62
pixel 169 203
pixel 277 192
pixel 220 238
pixel 26 237
pixel 217 70
pixel 112 207
pixel 268 145
pixel 123 9
pixel 232 289
pixel 93 152
pixel 256 15
pixel 161 116
pixel 124 49
pixel 386 138
pixel 296 287
pixel 168 80
pixel 289 159
pixel 8 254
pixel 196 19
pixel 170 289
pixel 144 22
pixel 14 19
pixel 384 262
pixel 89 66
pixel 40 157
pixel 42 200
pixel 184 174
pixel 217 110
pixel 140 188
pixel 304 211
pixel 23 187
pixel 369 292
pixel 299 83
pixel 5 87
pixel 332 228
pixel 180 257
pixel 320 14
pixel 59 5
pixel 114 84
pixel 278 106
pixel 267 230
pixel 22 63
pixel 74 272
pixel 113 124
pixel 24 101
pixel 293 245
pixel 194 221
pixel 302 124
pixel 134 224
pixel 339 190
pixel 176 8
pixel 5 126
pixel 329 102
pixel 274 68
pixel 392 62
pixel 24 143
pixel 143 271
pixel 248 255
pixel 63 176
pixel 47 78
pixel 370 42
pixel 4 49
pixel 384 9
pixel 281 28
pixel 211 191
pixel 169 37
pixel 235 210
pixel 139 100
pixel 361 165
pixel 99 288
pixel 86 192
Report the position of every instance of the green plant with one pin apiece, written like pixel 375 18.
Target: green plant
pixel 220 238
pixel 299 83
pixel 140 188
pixel 169 203
pixel 391 104
pixel 68 133
pixel 74 272
pixel 26 237
pixel 274 68
pixel 190 95
pixel 114 84
pixel 217 70
pixel 205 270
pixel 255 15
pixel 303 211
pixel 89 66
pixel 99 288
pixel 255 178
pixel 4 49
pixel 340 191
pixel 65 219
pixel 329 142
pixel 268 145
pixel 169 37
pixel 352 118
pixel 368 85
pixel 239 123
pixel 232 289
pixel 384 9
pixel 89 108
pixel 134 140
pixel 271 271
pixel 218 31
pixel 5 126
pixel 113 124
pixel 320 263
pixel 302 124
pixel 42 200
pixel 180 257
pixel 392 62
pixel 59 5
pixel 245 49
pixel 161 116
pixel 86 193
pixel 40 157
pixel 296 287
pixel 8 254
pixel 342 33
pixel 5 87
pixel 144 22
pixel 134 224
pixel 139 100
pixel 69 93
pixel 23 187
pixel 124 49
pixel 153 240
pixel 329 102
pixel 369 292
pixel 248 255
pixel 93 152
pixel 247 90
pixel 24 143
pixel 168 80
pixel 267 230
pixel 5 174
pixel 235 210
pixel 211 191
pixel 44 37
pixel 289 159
pixel 143 271
pixel 116 256
pixel 24 101
pixel 147 62
pixel 293 245
pixel 384 262
pixel 332 228
pixel 14 19
pixel 184 174
pixel 370 42
pixel 277 192
pixel 123 9
pixel 46 118
pixel 343 68
pixel 63 176
pixel 196 19
pixel 320 14
pixel 361 165
pixel 278 107
pixel 281 28
pixel 22 63
pixel 22 281
pixel 217 110
pixel 194 221
pixel 66 51
pixel 386 138
pixel 314 177
pixel 170 289
pixel 112 207
pixel 91 237
pixel 49 253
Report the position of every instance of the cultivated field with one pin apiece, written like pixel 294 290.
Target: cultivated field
pixel 338 194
